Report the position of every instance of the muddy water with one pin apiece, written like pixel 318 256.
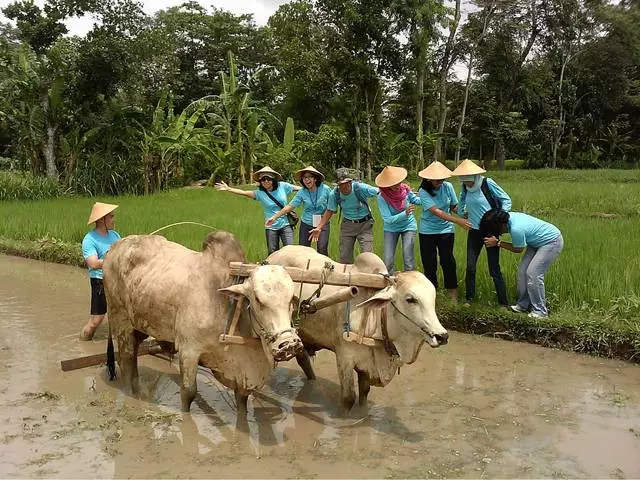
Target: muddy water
pixel 479 407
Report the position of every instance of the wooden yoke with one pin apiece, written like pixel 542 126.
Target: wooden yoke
pixel 318 275
pixel 230 336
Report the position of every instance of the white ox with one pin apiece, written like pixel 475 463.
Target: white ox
pixel 409 305
pixel 160 288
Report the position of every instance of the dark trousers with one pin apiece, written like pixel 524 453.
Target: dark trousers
pixel 475 242
pixel 323 241
pixel 430 246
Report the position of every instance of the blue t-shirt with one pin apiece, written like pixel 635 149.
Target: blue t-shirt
pixel 352 207
pixel 397 221
pixel 527 230
pixel 476 204
pixel 315 203
pixel 445 199
pixel 269 206
pixel 94 244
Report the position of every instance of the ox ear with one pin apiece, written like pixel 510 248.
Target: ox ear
pixel 237 292
pixel 379 300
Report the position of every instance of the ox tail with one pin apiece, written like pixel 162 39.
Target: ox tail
pixel 111 358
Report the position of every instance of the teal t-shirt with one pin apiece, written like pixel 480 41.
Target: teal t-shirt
pixel 397 221
pixel 94 244
pixel 315 203
pixel 445 199
pixel 270 207
pixel 476 204
pixel 352 207
pixel 527 230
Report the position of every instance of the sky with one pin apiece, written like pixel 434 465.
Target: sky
pixel 261 10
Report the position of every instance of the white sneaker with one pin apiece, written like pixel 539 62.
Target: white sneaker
pixel 517 309
pixel 536 315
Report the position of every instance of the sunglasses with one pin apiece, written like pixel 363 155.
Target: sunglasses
pixel 266 179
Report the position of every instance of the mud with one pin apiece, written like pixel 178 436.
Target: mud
pixel 479 407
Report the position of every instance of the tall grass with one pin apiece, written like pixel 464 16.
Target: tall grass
pixel 24 186
pixel 598 213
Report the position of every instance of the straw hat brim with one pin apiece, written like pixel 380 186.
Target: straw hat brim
pixel 266 172
pixel 309 169
pixel 435 171
pixel 391 176
pixel 467 167
pixel 100 210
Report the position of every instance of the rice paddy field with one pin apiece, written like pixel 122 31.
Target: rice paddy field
pixel 595 281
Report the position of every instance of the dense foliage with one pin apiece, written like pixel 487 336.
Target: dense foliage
pixel 142 102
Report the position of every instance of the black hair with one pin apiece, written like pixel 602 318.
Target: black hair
pixel 493 221
pixel 274 183
pixel 427 186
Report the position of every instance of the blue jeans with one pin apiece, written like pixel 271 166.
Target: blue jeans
pixel 534 264
pixel 408 256
pixel 275 236
pixel 475 242
pixel 323 241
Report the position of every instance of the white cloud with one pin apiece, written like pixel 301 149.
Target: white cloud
pixel 261 10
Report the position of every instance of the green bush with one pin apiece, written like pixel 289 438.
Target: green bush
pixel 24 186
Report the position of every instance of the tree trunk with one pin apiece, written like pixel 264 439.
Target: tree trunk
pixel 49 151
pixel 500 154
pixel 358 141
pixel 559 130
pixel 419 109
pixel 464 109
pixel 447 62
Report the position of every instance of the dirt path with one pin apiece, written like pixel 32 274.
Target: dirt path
pixel 478 407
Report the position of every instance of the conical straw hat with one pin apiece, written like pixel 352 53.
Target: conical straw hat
pixel 391 176
pixel 309 169
pixel 266 172
pixel 99 210
pixel 467 167
pixel 435 171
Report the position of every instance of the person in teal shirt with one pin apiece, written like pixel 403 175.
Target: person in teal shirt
pixel 436 230
pixel 272 194
pixel 314 197
pixel 357 222
pixel 95 246
pixel 477 196
pixel 396 204
pixel 543 243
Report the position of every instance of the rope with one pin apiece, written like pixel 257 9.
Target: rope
pixel 296 320
pixel 181 223
pixel 326 270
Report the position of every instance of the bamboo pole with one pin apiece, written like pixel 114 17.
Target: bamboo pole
pixel 340 296
pixel 315 275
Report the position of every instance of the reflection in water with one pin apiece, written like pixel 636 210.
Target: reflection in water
pixel 477 407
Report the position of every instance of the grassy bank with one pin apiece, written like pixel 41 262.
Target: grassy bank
pixel 593 289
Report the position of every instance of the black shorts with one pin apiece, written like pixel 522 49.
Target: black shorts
pixel 98 298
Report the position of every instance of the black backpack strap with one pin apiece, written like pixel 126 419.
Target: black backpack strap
pixel 362 200
pixel 494 202
pixel 274 199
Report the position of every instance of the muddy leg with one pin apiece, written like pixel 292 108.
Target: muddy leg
pixel 128 360
pixel 189 372
pixel 305 363
pixel 241 402
pixel 347 387
pixel 364 385
pixel 138 337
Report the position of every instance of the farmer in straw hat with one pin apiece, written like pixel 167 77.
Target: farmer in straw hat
pixel 437 236
pixel 272 194
pixel 477 196
pixel 396 201
pixel 95 246
pixel 543 242
pixel 314 195
pixel 357 223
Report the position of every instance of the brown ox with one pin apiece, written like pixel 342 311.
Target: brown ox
pixel 160 288
pixel 409 305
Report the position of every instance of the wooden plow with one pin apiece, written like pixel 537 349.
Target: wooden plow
pixel 327 275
